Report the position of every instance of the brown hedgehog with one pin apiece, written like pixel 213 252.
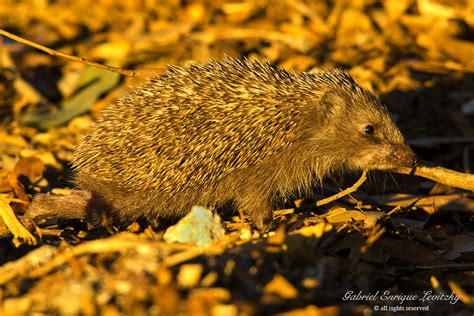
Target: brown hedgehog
pixel 234 131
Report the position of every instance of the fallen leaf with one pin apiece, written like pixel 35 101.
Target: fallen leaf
pixel 94 83
pixel 30 168
pixel 342 215
pixel 17 229
pixel 279 285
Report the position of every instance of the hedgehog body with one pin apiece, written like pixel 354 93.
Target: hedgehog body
pixel 232 131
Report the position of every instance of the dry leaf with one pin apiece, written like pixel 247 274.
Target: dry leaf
pixel 342 215
pixel 279 285
pixel 19 231
pixel 30 169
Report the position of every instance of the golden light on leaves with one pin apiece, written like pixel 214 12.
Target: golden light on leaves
pixel 417 55
pixel 279 285
pixel 20 233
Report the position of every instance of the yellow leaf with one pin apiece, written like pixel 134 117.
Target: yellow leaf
pixel 282 287
pixel 342 215
pixel 17 229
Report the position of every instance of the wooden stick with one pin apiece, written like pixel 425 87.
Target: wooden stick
pixel 52 52
pixel 347 191
pixel 442 175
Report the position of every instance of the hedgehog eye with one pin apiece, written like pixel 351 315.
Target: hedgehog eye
pixel 369 130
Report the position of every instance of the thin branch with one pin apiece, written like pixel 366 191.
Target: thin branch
pixel 347 191
pixel 52 52
pixel 461 293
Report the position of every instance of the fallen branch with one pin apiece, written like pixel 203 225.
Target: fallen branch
pixel 442 175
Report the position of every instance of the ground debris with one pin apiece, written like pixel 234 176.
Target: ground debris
pixel 396 235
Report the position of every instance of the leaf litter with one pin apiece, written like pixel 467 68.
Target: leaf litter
pixel 396 233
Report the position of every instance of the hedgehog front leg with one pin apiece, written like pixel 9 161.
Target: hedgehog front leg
pixel 259 208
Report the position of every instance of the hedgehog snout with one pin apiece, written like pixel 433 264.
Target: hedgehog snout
pixel 385 157
pixel 404 156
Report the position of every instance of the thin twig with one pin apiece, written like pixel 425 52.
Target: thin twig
pixel 183 256
pixel 347 191
pixel 398 207
pixel 461 293
pixel 52 52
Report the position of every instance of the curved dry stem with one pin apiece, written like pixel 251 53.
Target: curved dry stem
pixel 52 52
pixel 345 192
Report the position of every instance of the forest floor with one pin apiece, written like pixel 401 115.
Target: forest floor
pixel 400 243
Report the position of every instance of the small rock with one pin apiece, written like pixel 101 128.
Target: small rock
pixel 468 107
pixel 200 227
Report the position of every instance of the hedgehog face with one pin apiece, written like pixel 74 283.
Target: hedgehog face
pixel 365 133
pixel 377 143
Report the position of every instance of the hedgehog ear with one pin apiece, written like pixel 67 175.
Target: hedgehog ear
pixel 327 106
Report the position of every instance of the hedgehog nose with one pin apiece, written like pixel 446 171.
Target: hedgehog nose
pixel 410 158
pixel 404 156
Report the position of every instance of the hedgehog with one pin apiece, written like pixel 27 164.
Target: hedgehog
pixel 232 132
